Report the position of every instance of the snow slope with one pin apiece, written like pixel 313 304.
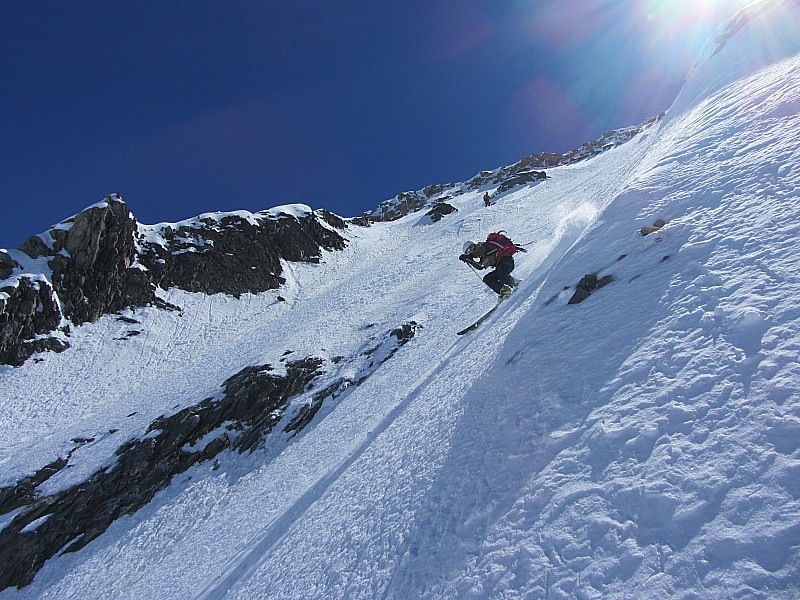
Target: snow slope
pixel 643 443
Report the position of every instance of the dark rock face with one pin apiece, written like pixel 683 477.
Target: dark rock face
pixel 7 265
pixel 438 212
pixel 253 404
pixel 433 190
pixel 408 202
pixel 91 263
pixel 92 260
pixel 361 221
pixel 521 178
pixel 588 284
pixel 234 256
pixel 331 219
pixel 24 492
pixel 373 357
pixel 659 223
pixel 401 205
pixel 507 177
pixel 100 263
pixel 28 311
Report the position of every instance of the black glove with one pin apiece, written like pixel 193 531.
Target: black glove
pixel 466 258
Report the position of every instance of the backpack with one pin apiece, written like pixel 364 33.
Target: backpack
pixel 505 247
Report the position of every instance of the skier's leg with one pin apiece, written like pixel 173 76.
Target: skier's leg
pixel 491 280
pixel 501 275
pixel 503 272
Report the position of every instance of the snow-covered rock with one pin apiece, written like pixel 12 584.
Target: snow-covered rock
pixel 101 261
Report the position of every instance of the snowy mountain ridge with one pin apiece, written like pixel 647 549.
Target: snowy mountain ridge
pixel 642 443
pixel 102 260
pixel 499 180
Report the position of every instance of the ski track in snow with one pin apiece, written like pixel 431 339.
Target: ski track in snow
pixel 643 443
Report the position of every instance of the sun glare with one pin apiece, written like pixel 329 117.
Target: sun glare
pixel 703 12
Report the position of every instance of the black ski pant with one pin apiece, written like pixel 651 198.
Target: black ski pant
pixel 501 275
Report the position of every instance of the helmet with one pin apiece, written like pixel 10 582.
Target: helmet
pixel 468 246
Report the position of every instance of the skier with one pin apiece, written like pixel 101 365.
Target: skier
pixel 487 199
pixel 495 252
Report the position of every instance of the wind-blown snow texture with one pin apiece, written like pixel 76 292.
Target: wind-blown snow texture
pixel 644 443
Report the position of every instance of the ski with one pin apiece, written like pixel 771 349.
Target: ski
pixel 477 323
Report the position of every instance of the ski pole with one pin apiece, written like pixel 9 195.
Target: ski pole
pixel 474 270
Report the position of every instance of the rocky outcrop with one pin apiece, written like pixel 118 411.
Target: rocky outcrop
pixel 24 492
pixel 331 219
pixel 439 211
pixel 90 273
pixel 361 221
pixel 647 230
pixel 521 178
pixel 527 171
pixel 92 258
pixel 253 403
pixel 29 311
pixel 399 206
pixel 7 265
pixel 236 254
pixel 506 178
pixel 101 261
pixel 588 284
pixel 371 358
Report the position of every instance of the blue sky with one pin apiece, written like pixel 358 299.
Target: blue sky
pixel 188 107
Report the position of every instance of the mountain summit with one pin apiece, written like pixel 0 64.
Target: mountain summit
pixel 277 405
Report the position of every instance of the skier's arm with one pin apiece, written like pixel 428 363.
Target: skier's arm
pixel 470 260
